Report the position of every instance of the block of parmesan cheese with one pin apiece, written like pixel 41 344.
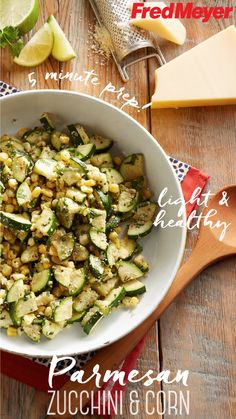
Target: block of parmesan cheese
pixel 171 29
pixel 205 75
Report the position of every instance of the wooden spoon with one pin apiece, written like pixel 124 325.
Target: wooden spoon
pixel 209 249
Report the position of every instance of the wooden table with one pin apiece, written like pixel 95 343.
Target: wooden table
pixel 197 333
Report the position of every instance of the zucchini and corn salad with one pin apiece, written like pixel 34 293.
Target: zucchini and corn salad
pixel 71 214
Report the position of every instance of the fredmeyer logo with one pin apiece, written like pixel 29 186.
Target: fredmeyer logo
pixel 179 11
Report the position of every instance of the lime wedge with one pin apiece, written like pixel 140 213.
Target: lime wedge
pixel 22 14
pixel 62 49
pixel 37 49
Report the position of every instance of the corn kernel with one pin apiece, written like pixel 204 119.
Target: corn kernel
pixel 42 249
pixel 6 270
pixel 147 194
pixel 41 309
pixel 84 239
pixel 117 160
pixel 11 331
pixel 130 301
pixel 54 203
pixel 114 188
pixel 24 270
pixel 3 157
pixel 113 235
pixel 16 263
pixel 36 192
pixel 31 241
pixel 118 230
pixel 60 195
pixel 86 189
pixel 9 208
pixel 12 183
pixel 65 155
pixel 47 192
pixel 10 193
pixel 89 182
pixel 48 311
pixel 8 162
pixel 34 177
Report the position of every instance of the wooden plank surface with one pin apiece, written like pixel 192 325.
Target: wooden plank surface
pixel 197 332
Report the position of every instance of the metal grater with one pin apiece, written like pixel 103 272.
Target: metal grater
pixel 127 40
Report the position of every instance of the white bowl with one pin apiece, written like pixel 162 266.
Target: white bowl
pixel 163 248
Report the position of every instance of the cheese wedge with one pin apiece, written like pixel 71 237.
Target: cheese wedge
pixel 202 76
pixel 171 29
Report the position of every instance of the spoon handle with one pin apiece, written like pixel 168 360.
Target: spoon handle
pixel 110 357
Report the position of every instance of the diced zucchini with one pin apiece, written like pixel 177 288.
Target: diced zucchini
pixel 63 309
pixel 113 176
pixel 128 271
pixel 46 168
pixel 103 200
pixel 125 251
pixel 77 281
pixel 127 200
pixel 76 317
pixel 9 145
pixel 143 218
pixel 40 280
pixel 85 300
pixel 50 329
pixel 112 253
pixel 85 151
pixel 15 221
pixel 21 307
pixel 30 254
pixel 5 319
pixel 113 299
pixel 16 291
pixel 102 144
pixel 132 166
pixel 64 246
pixel 102 160
pixel 74 280
pixel 47 122
pixel 91 319
pixel 36 135
pixel 74 135
pixel 127 248
pixel 104 288
pixel 47 153
pixel 78 135
pixel 45 223
pixel 96 266
pixel 98 238
pixel 62 275
pixel 97 219
pixel 78 164
pixel 66 210
pixel 134 288
pixel 32 331
pixel 23 194
pixel 75 195
pixel 57 140
pixel 70 176
pixel 21 166
pixel 80 253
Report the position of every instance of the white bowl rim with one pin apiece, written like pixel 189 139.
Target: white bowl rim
pixel 183 215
